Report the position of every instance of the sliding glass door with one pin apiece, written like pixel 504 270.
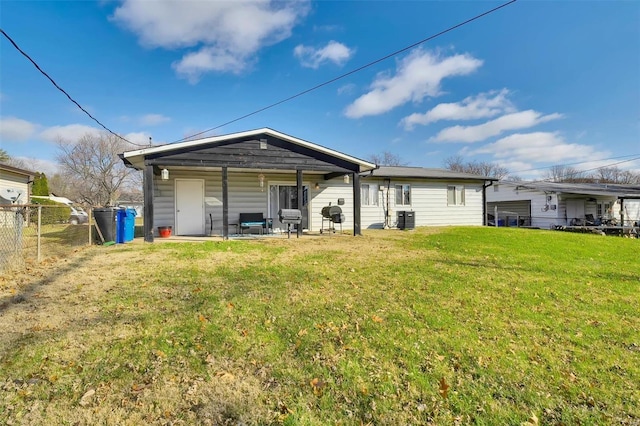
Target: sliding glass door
pixel 286 197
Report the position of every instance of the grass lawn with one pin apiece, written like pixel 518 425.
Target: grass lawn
pixel 434 326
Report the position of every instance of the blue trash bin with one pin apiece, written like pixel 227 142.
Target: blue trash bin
pixel 121 216
pixel 129 225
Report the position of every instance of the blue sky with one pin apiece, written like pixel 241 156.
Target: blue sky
pixel 532 85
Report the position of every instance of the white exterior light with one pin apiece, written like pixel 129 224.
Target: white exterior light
pixel 164 174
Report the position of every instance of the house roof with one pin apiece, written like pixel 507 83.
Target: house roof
pixel 424 173
pixel 16 170
pixel 136 157
pixel 606 189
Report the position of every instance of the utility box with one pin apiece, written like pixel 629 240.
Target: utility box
pixel 406 220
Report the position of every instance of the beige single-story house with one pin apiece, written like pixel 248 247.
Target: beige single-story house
pixel 15 185
pixel 205 186
pixel 15 189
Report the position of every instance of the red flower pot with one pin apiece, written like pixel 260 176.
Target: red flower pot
pixel 164 231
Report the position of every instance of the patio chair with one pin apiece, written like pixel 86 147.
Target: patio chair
pixel 589 220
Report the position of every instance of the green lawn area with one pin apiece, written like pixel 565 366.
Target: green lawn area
pixel 433 326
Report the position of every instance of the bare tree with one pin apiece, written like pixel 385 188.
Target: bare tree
pixel 562 173
pixel 59 185
pixel 7 159
pixel 387 159
pixel 93 169
pixel 482 168
pixel 616 175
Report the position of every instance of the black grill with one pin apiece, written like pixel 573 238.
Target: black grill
pixel 332 215
pixel 290 217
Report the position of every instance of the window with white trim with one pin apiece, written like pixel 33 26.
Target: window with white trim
pixel 369 194
pixel 455 195
pixel 403 195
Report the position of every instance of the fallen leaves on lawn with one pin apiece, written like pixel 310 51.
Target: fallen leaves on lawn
pixel 158 353
pixel 317 385
pixel 443 389
pixel 531 421
pixel 87 397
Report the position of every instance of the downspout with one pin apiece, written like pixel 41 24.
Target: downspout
pixel 485 219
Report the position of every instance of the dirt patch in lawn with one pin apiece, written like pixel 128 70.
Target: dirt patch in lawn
pixel 59 293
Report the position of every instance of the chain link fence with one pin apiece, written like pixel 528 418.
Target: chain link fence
pixel 32 233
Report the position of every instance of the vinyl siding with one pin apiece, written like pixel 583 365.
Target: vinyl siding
pixel 245 196
pixel 428 200
pixel 329 192
pixel 16 181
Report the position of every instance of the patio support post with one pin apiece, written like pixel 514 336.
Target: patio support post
pixel 300 197
pixel 225 203
pixel 356 204
pixel 148 203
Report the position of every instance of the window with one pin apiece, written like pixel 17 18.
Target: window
pixel 369 194
pixel 455 195
pixel 603 210
pixel 403 195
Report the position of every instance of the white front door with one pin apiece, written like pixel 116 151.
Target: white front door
pixel 575 210
pixel 189 207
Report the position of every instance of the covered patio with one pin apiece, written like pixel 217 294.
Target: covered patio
pixel 202 187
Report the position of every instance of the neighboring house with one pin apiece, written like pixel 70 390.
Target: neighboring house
pixel 201 186
pixel 15 188
pixel 550 204
pixel 15 185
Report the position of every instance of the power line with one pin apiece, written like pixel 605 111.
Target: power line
pixel 333 80
pixel 62 90
pixel 577 162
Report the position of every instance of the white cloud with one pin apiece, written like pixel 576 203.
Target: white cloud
pixel 334 52
pixel 14 129
pixel 153 119
pixel 418 75
pixel 69 133
pixel 484 105
pixel 513 121
pixel 228 33
pixel 539 147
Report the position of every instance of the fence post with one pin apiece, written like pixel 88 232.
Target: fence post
pixel 90 225
pixel 39 233
pixel 495 216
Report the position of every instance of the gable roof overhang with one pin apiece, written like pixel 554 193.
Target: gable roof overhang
pixel 17 170
pixel 284 152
